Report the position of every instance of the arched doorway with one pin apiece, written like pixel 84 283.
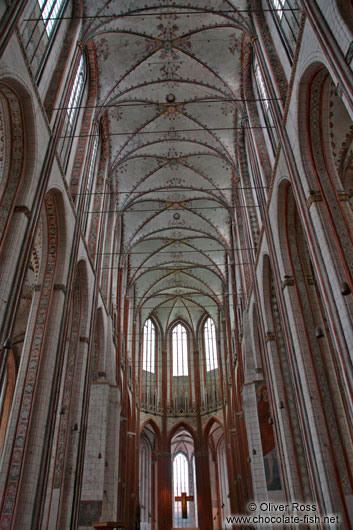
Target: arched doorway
pixel 148 478
pixel 218 476
pixel 183 480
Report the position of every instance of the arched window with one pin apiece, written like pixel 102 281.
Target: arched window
pixel 261 86
pixel 209 335
pixel 72 110
pixel 180 350
pixel 286 16
pixel 38 31
pixel 76 92
pixel 180 477
pixel 50 10
pixel 278 6
pixel 265 104
pixel 149 346
pixel 90 179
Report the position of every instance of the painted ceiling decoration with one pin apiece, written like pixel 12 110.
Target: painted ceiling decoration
pixel 170 85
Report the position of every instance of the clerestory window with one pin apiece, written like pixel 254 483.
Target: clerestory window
pixel 149 346
pixel 38 32
pixel 209 335
pixel 90 179
pixel 50 10
pixel 72 111
pixel 261 86
pixel 265 104
pixel 278 6
pixel 76 92
pixel 180 350
pixel 286 14
pixel 180 475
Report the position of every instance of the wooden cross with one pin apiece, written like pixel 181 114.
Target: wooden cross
pixel 183 499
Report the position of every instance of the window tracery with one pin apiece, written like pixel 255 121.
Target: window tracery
pixel 72 110
pixel 180 474
pixel 265 105
pixel 209 334
pixel 76 92
pixel 149 346
pixel 38 31
pixel 90 179
pixel 286 16
pixel 180 350
pixel 50 10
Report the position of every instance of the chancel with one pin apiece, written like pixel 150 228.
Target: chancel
pixel 176 263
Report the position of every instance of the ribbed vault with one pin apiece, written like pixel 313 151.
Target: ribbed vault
pixel 170 84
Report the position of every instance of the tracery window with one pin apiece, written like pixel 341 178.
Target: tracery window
pixel 50 10
pixel 265 104
pixel 149 346
pixel 72 110
pixel 90 179
pixel 76 92
pixel 38 30
pixel 279 5
pixel 286 16
pixel 261 86
pixel 180 474
pixel 180 350
pixel 180 484
pixel 209 334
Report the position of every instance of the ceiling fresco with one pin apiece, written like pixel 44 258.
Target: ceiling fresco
pixel 170 85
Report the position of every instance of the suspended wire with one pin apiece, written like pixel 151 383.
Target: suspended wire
pixel 166 105
pixel 175 188
pixel 177 269
pixel 195 293
pixel 182 208
pixel 92 135
pixel 149 14
pixel 154 252
pixel 163 267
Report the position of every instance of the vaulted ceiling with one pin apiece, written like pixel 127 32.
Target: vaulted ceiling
pixel 169 79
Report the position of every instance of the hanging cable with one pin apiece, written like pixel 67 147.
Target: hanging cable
pixel 141 14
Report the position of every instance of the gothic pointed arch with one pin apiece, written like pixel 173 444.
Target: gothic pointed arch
pixel 316 342
pixel 328 163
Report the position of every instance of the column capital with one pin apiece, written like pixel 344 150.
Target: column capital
pixel 23 209
pixel 288 281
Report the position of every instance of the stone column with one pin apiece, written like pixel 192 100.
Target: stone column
pixel 203 483
pixel 95 456
pixel 164 462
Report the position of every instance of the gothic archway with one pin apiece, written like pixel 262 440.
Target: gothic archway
pixel 322 380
